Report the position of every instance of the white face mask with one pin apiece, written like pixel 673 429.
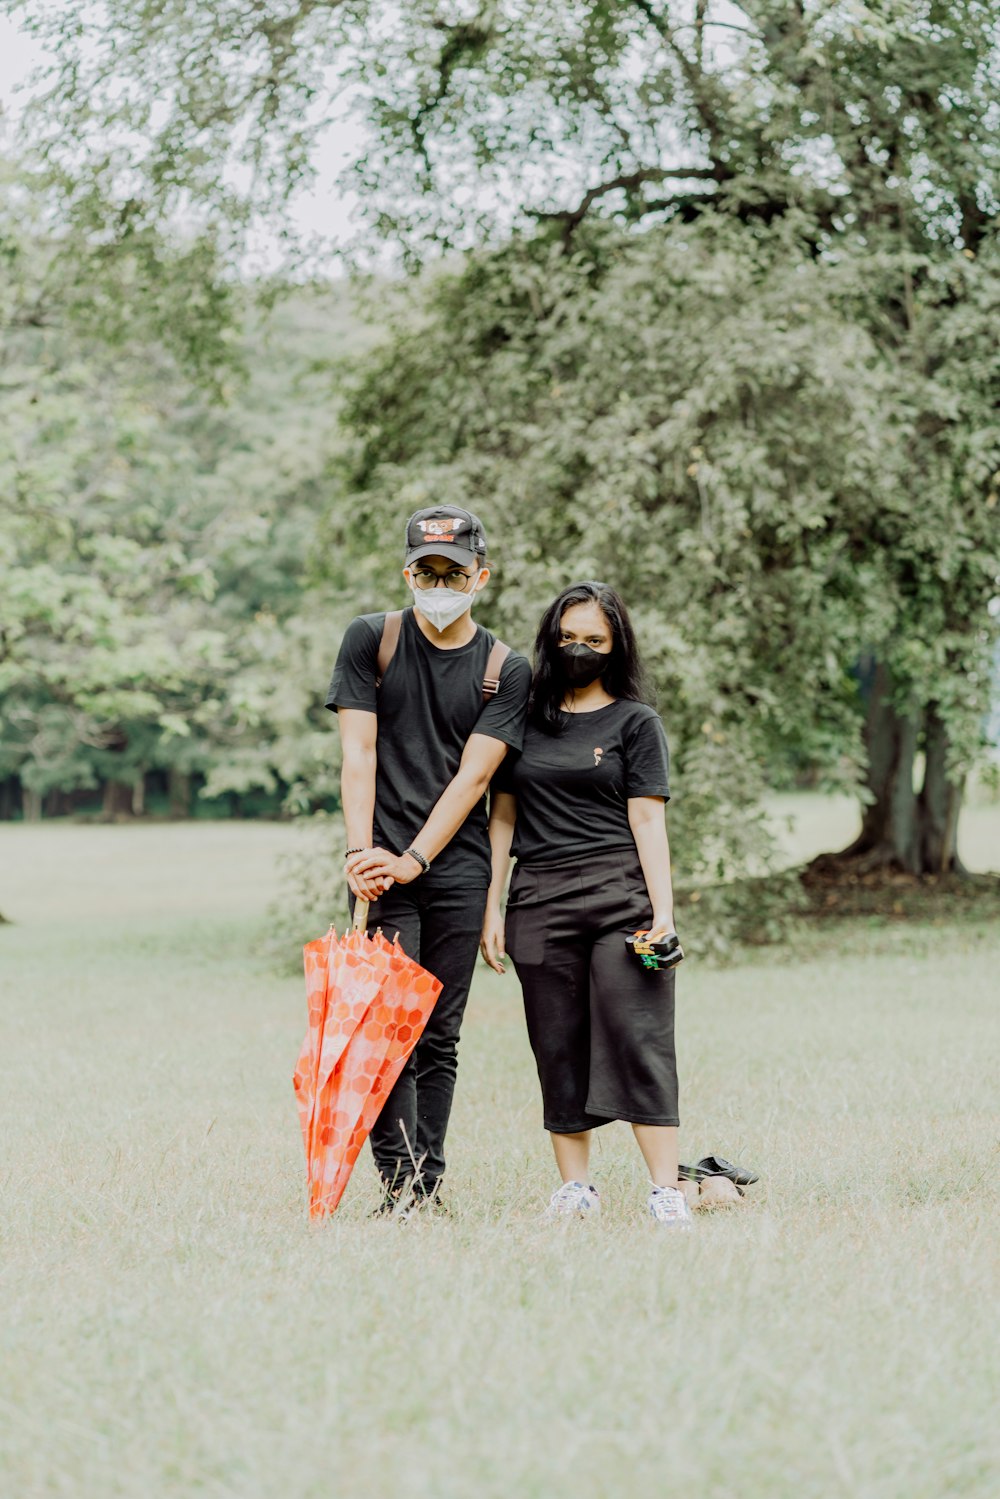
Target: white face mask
pixel 442 606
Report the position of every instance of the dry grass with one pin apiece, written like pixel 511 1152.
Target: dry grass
pixel 173 1327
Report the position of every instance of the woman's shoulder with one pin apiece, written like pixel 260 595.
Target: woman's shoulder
pixel 636 712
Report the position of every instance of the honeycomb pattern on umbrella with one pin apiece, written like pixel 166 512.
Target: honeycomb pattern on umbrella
pixel 368 1004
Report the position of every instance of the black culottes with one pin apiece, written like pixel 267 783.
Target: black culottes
pixel 601 1026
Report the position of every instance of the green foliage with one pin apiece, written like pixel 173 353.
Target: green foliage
pixel 496 114
pixel 719 922
pixel 733 347
pixel 313 891
pixel 701 416
pixel 157 546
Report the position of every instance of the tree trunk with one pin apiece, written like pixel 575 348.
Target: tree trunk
pixel 179 792
pixel 889 822
pixel 31 801
pixel 117 803
pixel 117 794
pixel 914 832
pixel 139 795
pixel 939 803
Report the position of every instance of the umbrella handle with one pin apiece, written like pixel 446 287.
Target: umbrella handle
pixel 360 916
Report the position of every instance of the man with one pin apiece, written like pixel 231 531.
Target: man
pixel 419 750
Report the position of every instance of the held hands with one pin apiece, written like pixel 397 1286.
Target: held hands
pixel 373 871
pixel 491 943
pixel 364 883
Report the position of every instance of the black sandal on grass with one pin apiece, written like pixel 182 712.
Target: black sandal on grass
pixel 691 1173
pixel 715 1165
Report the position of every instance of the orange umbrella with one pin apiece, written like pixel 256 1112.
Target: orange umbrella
pixel 368 1005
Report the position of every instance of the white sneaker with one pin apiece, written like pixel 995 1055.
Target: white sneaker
pixel 669 1206
pixel 574 1200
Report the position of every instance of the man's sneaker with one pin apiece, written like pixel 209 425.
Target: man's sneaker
pixel 425 1205
pixel 407 1204
pixel 669 1206
pixel 574 1200
pixel 397 1196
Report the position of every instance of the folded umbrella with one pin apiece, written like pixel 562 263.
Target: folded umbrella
pixel 368 1005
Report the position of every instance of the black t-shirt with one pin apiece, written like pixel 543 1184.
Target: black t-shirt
pixel 429 702
pixel 573 788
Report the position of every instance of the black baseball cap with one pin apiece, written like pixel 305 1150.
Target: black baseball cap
pixel 445 531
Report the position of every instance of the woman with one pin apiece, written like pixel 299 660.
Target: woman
pixel 581 809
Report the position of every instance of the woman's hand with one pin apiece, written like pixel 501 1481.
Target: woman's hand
pixel 661 927
pixel 491 944
pixel 391 869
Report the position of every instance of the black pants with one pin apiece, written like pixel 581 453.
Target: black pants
pixel 600 1025
pixel 439 926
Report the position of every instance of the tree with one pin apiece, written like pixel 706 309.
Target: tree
pixel 866 134
pixel 759 147
pixel 156 545
pixel 696 416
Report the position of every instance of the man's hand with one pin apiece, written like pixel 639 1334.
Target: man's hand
pixel 365 883
pixel 491 943
pixel 377 866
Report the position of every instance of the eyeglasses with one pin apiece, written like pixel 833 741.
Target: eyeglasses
pixel 457 581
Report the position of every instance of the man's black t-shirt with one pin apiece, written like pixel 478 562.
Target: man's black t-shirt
pixel 428 704
pixel 573 788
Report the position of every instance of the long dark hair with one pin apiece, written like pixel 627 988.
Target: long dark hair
pixel 623 675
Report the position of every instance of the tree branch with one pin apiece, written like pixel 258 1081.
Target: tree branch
pixel 625 181
pixel 460 43
pixel 695 76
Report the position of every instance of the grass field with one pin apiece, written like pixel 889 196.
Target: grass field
pixel 172 1325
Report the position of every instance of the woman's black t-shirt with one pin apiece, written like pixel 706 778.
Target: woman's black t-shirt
pixel 573 788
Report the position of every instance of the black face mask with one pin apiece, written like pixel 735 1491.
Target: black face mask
pixel 582 665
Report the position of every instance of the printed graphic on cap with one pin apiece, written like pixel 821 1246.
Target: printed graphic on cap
pixel 442 529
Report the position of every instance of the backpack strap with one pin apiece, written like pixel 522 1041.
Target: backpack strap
pixel 390 639
pixel 387 645
pixel 494 666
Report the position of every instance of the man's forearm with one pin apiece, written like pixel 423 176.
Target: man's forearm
pixel 357 792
